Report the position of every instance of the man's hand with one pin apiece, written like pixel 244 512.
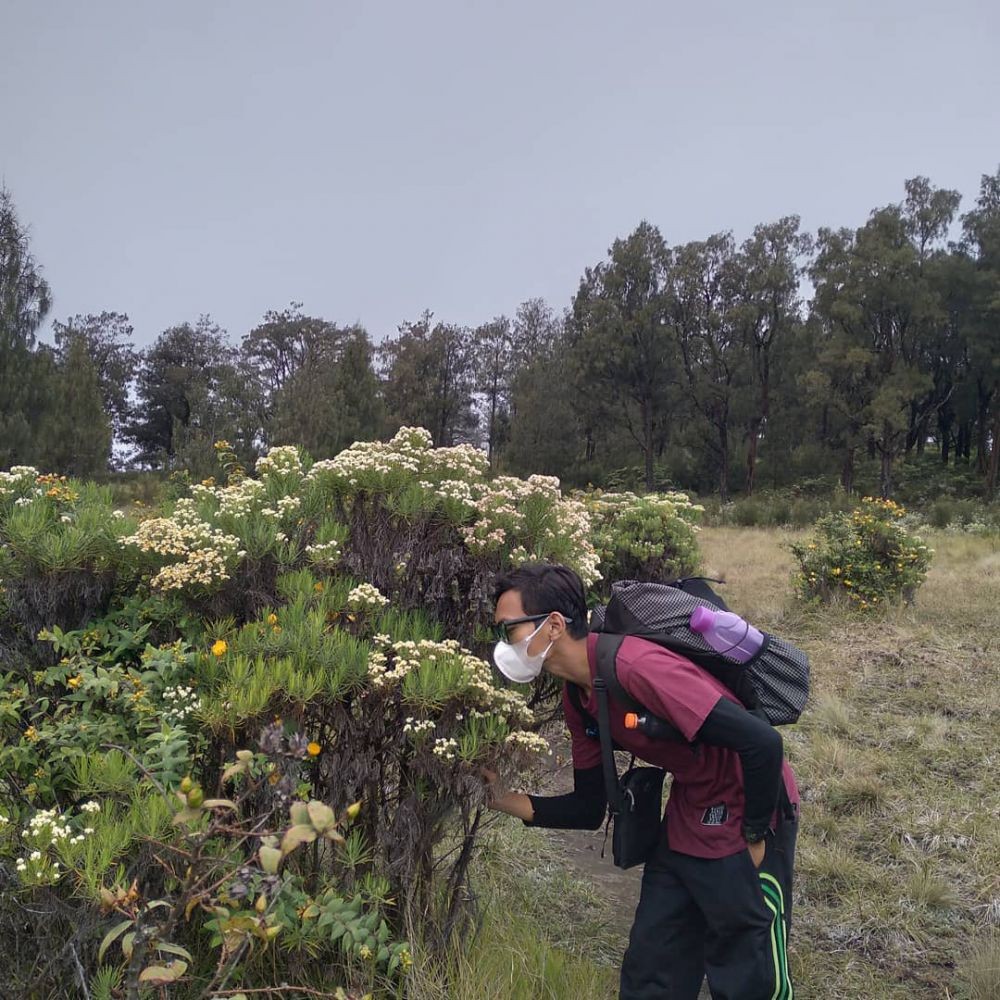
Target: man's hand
pixel 513 803
pixel 756 852
pixel 490 780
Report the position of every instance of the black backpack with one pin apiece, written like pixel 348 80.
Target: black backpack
pixel 774 684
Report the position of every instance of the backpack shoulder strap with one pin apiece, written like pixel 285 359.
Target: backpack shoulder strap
pixel 575 696
pixel 611 788
pixel 607 669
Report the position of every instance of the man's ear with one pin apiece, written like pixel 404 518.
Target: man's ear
pixel 557 625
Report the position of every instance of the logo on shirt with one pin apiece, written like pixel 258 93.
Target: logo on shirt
pixel 715 815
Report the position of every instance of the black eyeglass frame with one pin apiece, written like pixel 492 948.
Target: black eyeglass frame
pixel 500 628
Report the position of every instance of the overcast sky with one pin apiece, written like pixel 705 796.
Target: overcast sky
pixel 373 159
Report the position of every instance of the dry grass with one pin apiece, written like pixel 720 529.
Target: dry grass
pixel 899 852
pixel 898 875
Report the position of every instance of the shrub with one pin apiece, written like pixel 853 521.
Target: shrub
pixel 424 525
pixel 60 553
pixel 866 556
pixel 651 537
pixel 402 724
pixel 300 640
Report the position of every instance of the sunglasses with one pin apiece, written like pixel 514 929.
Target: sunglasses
pixel 501 629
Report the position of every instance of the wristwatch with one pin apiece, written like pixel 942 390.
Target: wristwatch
pixel 755 836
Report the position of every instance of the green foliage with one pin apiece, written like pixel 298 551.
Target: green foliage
pixel 866 556
pixel 76 439
pixel 105 691
pixel 651 537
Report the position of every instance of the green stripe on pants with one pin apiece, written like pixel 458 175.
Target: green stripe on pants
pixel 775 900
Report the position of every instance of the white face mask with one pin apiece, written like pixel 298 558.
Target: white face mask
pixel 514 661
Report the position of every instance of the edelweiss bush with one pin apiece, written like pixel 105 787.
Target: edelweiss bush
pixel 60 557
pixel 242 736
pixel 651 537
pixel 423 524
pixel 865 555
pixel 402 724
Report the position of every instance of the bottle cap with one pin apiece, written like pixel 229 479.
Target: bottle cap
pixel 702 619
pixel 631 720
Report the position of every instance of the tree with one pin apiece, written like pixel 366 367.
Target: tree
pixel 75 438
pixel 332 398
pixel 706 321
pixel 875 290
pixel 621 341
pixel 771 310
pixel 495 367
pixel 547 432
pixel 981 240
pixel 25 301
pixel 107 338
pixel 429 375
pixel 184 397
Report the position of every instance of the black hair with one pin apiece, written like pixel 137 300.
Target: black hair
pixel 547 587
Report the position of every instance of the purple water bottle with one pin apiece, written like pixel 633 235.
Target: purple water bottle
pixel 727 633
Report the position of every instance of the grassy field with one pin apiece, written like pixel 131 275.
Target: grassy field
pixel 898 873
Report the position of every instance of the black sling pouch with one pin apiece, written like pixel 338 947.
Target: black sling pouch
pixel 638 823
pixel 634 800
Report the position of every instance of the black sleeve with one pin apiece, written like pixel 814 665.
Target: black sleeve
pixel 761 752
pixel 581 809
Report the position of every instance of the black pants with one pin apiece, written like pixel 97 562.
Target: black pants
pixel 721 917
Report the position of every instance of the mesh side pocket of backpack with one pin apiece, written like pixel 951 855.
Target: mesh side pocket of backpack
pixel 663 609
pixel 780 676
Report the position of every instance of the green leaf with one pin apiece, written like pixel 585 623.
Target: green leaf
pixel 296 835
pixel 320 815
pixel 173 949
pixel 270 858
pixel 112 936
pixel 160 975
pixel 218 804
pixel 187 816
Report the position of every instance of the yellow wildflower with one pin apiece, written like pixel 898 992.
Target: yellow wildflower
pixel 75 682
pixel 314 749
pixel 318 586
pixel 219 647
pixel 31 734
pixel 272 619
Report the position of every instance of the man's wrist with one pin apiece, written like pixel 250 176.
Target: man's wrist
pixel 755 834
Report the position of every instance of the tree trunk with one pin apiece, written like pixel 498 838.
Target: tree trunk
pixel 491 443
pixel 723 463
pixel 847 472
pixel 991 481
pixel 913 432
pixel 982 437
pixel 944 421
pixel 885 472
pixel 759 422
pixel 752 457
pixel 647 441
pixel 963 440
